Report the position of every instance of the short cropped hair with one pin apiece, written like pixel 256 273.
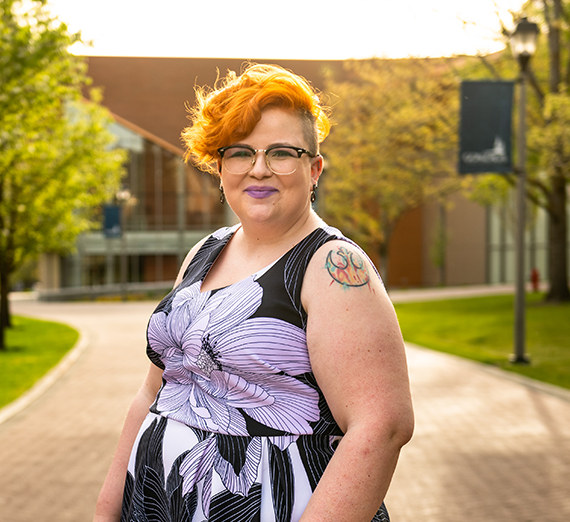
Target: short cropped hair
pixel 230 111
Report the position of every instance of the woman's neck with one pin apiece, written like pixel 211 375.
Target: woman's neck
pixel 256 236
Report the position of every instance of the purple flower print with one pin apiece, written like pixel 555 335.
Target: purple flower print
pixel 218 361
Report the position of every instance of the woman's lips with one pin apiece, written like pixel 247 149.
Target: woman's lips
pixel 260 192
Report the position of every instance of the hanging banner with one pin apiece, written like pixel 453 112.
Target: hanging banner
pixel 112 221
pixel 485 127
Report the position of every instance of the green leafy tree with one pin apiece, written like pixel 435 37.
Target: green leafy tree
pixel 57 161
pixel 392 147
pixel 549 129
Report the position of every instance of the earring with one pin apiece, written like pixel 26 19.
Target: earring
pixel 222 195
pixel 314 193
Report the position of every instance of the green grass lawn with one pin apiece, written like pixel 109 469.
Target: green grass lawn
pixel 33 348
pixel 482 329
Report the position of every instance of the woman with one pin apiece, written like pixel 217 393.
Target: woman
pixel 278 387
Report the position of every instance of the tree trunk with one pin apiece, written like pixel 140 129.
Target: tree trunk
pixel 557 219
pixel 4 308
pixel 557 239
pixel 553 20
pixel 383 268
pixel 384 249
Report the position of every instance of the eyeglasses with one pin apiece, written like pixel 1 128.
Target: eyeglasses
pixel 280 159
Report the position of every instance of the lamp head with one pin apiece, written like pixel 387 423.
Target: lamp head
pixel 523 41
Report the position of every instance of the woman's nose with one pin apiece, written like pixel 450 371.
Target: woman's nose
pixel 260 167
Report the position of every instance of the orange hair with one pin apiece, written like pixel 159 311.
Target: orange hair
pixel 230 112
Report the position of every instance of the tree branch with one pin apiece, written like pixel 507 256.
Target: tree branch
pixel 546 9
pixel 511 179
pixel 552 21
pixel 490 67
pixel 540 186
pixel 535 85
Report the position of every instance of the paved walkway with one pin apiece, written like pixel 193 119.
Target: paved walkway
pixel 486 447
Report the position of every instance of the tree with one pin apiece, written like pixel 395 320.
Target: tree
pixel 551 141
pixel 549 123
pixel 392 147
pixel 57 163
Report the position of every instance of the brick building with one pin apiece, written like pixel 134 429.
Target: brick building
pixel 166 206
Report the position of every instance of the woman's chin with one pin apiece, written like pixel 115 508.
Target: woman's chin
pixel 259 215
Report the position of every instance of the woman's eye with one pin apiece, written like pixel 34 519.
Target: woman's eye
pixel 240 153
pixel 283 153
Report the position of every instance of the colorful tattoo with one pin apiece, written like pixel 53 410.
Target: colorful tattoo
pixel 347 268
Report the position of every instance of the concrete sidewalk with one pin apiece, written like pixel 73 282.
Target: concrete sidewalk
pixel 452 292
pixel 486 447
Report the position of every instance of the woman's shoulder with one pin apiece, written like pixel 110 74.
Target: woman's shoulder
pixel 214 239
pixel 342 261
pixel 337 243
pixel 335 236
pixel 341 276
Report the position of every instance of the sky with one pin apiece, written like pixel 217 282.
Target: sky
pixel 292 29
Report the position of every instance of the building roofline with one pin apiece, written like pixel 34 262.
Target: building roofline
pixel 147 135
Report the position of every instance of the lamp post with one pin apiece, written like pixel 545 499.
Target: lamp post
pixel 123 197
pixel 523 45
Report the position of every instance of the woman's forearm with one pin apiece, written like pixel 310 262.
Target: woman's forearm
pixel 110 499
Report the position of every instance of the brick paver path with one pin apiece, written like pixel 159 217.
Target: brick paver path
pixel 54 455
pixel 485 447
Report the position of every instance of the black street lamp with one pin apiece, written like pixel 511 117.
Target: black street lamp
pixel 523 44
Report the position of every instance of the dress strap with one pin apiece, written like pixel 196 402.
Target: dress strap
pixel 200 263
pixel 207 255
pixel 298 261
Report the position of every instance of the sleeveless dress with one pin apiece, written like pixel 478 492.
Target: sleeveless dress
pixel 240 430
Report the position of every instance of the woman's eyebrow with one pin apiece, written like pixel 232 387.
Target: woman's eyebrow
pixel 277 144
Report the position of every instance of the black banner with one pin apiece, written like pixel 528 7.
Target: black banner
pixel 485 127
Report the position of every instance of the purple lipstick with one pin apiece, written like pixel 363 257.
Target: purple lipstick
pixel 260 192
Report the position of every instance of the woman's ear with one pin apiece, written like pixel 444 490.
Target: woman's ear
pixel 317 168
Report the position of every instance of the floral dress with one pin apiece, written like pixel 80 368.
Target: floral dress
pixel 240 430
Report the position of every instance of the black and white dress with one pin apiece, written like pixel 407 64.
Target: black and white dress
pixel 240 430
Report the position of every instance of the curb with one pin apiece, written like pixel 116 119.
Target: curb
pixel 47 381
pixel 499 373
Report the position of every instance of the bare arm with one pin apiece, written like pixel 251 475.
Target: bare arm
pixel 360 366
pixel 110 499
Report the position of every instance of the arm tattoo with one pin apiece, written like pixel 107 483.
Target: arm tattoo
pixel 347 268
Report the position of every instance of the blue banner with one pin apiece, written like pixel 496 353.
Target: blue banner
pixel 485 127
pixel 112 221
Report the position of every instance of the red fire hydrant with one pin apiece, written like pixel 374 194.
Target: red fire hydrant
pixel 534 279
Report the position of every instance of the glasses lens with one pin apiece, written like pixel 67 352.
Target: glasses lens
pixel 238 160
pixel 283 160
